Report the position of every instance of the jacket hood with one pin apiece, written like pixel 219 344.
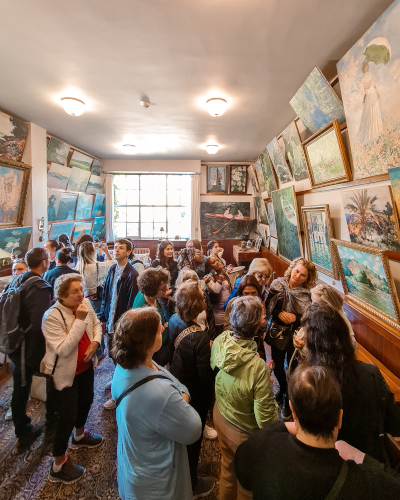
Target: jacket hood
pixel 229 353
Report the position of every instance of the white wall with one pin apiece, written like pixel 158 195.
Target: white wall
pixel 148 166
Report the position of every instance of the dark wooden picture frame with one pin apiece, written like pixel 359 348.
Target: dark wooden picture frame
pixel 227 180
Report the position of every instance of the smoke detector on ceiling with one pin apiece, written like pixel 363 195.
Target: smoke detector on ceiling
pixel 145 104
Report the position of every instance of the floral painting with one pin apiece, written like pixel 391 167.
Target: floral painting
pixel 14 241
pixel 294 151
pixel 262 213
pixel 57 151
pixel 58 176
pixel 260 175
pixel 80 160
pixel 369 77
pixel 282 170
pixel 13 134
pixel 238 179
pixel 253 180
pixel 271 219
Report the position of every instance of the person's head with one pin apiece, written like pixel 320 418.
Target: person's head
pixel 323 293
pixel 165 254
pixel 246 316
pixel 328 340
pixel 189 258
pixel 138 335
pixel 52 199
pixel 186 275
pixel 63 240
pixel 19 266
pixel 213 248
pixel 37 260
pixel 153 282
pixel 122 250
pixel 194 244
pixel 64 256
pixel 86 255
pixel 316 401
pixel 82 239
pixel 261 269
pixel 51 246
pixel 249 287
pixel 212 263
pixel 68 290
pixel 189 301
pixel 301 273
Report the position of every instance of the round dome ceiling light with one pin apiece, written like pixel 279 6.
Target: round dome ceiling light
pixel 72 106
pixel 216 106
pixel 212 149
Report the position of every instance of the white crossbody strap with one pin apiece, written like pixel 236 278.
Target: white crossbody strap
pixel 185 333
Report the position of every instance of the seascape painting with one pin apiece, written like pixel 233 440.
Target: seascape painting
pixel 369 76
pixel 66 208
pixel 13 134
pixel 84 206
pixel 99 205
pixel 238 179
pixel 53 202
pixel 278 161
pixel 394 175
pixel 99 229
pixel 253 180
pixel 95 185
pixel 269 175
pixel 79 180
pixel 273 245
pixel 287 223
pixel 14 241
pixel 316 103
pixel 217 179
pixel 262 212
pixel 294 151
pixel 370 217
pixel 11 183
pixel 58 176
pixel 224 220
pixel 81 227
pixel 96 167
pixel 271 219
pixel 260 175
pixel 61 228
pixel 57 151
pixel 80 160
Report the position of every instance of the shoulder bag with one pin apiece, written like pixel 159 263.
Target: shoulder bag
pixel 277 335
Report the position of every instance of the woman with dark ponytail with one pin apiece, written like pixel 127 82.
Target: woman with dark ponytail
pixel 63 258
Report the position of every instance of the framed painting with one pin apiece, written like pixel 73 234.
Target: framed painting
pixel 369 77
pixel 14 241
pixel 57 151
pixel 67 206
pixel 95 185
pixel 326 157
pixel 61 228
pixel 273 245
pixel 99 205
pixel 99 229
pixel 287 223
pixel 227 220
pixel 238 182
pixel 253 180
pixel 271 219
pixel 78 180
pixel 260 175
pixel 14 181
pixel 262 212
pixel 269 173
pixel 294 151
pixel 53 202
pixel 84 206
pixel 394 176
pixel 97 167
pixel 13 134
pixel 58 176
pixel 316 103
pixel 81 228
pixel 318 232
pixel 217 179
pixel 79 160
pixel 367 280
pixel 278 161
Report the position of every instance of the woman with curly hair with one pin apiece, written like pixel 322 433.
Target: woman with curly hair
pixel 165 259
pixel 154 292
pixel 288 299
pixel 190 258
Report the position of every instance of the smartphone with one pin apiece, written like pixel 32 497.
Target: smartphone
pixel 210 275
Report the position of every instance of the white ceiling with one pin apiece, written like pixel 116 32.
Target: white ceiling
pixel 255 53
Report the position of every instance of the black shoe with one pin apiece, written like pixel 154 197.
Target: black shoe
pixel 89 441
pixel 24 442
pixel 279 397
pixel 68 474
pixel 286 411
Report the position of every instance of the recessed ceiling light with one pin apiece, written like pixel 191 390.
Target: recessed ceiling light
pixel 72 106
pixel 212 149
pixel 216 106
pixel 129 149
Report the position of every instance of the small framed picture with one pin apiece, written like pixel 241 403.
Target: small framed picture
pixel 238 182
pixel 257 244
pixel 217 179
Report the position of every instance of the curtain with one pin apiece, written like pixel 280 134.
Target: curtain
pixel 195 227
pixel 109 207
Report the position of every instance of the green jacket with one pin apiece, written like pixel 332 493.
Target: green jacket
pixel 243 388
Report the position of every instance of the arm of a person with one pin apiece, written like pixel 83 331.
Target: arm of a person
pixel 56 335
pixel 214 286
pixel 234 292
pixel 265 407
pixel 97 330
pixel 38 301
pixel 203 355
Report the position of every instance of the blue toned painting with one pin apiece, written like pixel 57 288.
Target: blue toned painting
pixel 319 239
pixel 14 241
pixel 58 176
pixel 61 228
pixel 79 180
pixel 81 227
pixel 84 206
pixel 96 167
pixel 99 228
pixel 96 185
pixel 66 208
pixel 99 206
pixel 10 194
pixel 53 202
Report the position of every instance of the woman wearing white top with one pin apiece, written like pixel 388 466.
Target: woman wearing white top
pixel 220 288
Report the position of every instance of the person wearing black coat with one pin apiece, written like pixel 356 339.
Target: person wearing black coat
pixel 63 258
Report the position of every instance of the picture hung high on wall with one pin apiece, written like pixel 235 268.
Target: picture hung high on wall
pixel 99 229
pixel 367 279
pixel 369 77
pixel 80 160
pixel 253 180
pixel 217 179
pixel 97 167
pixel 273 245
pixel 258 167
pixel 371 217
pixel 14 241
pixel 67 206
pixel 278 161
pixel 79 180
pixel 271 219
pixel 61 228
pixel 318 232
pixel 316 103
pixel 14 181
pixel 238 179
pixel 224 220
pixel 53 202
pixel 326 157
pixel 13 134
pixel 58 176
pixel 394 175
pixel 287 223
pixel 57 151
pixel 99 205
pixel 95 185
pixel 81 228
pixel 262 212
pixel 294 151
pixel 269 174
pixel 84 206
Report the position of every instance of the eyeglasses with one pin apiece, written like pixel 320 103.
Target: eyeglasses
pixel 164 288
pixel 263 276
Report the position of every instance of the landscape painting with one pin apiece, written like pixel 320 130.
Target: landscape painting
pixel 394 175
pixel 253 180
pixel 294 151
pixel 14 182
pixel 99 229
pixel 262 212
pixel 238 179
pixel 217 179
pixel 366 279
pixel 326 157
pixel 271 219
pixel 318 232
pixel 13 134
pixel 61 228
pixel 287 223
pixel 99 205
pixel 81 228
pixel 66 208
pixel 273 245
pixel 316 103
pixel 260 175
pixel 80 160
pixel 224 220
pixel 84 206
pixel 95 185
pixel 370 217
pixel 278 161
pixel 79 180
pixel 96 167
pixel 14 241
pixel 269 175
pixel 57 151
pixel 58 176
pixel 369 77
pixel 53 202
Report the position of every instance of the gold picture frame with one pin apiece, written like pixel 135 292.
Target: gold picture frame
pixel 12 210
pixel 367 281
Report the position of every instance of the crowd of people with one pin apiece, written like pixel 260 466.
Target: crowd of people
pixel 189 347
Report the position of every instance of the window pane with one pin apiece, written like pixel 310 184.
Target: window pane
pixel 119 197
pixel 146 214
pixel 146 230
pixel 160 214
pixel 133 229
pixel 132 182
pixel 159 196
pixel 147 181
pixel 120 181
pixel 120 230
pixel 174 197
pixel 176 214
pixel 174 229
pixel 147 197
pixel 132 214
pixel 132 197
pixel 121 213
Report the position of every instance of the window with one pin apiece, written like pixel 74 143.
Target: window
pixel 144 203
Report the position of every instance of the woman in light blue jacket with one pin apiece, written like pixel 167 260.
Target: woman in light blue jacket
pixel 155 421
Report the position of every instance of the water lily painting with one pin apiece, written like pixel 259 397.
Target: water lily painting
pixel 278 160
pixel 269 174
pixel 238 179
pixel 294 151
pixel 57 151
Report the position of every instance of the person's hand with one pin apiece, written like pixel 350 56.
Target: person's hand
pixel 207 280
pixel 185 397
pixel 298 343
pixel 82 312
pixel 165 326
pixel 168 293
pixel 348 452
pixel 286 317
pixel 230 267
pixel 219 279
pixel 90 351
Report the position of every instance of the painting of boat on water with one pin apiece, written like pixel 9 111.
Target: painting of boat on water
pixel 217 179
pixel 278 160
pixel 224 220
pixel 57 151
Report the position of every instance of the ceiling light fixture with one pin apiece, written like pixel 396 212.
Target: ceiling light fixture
pixel 212 149
pixel 145 104
pixel 72 106
pixel 216 106
pixel 129 149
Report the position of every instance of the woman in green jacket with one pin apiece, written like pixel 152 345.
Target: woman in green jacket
pixel 244 397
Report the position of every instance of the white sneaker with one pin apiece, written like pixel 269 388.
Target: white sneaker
pixel 109 405
pixel 8 416
pixel 210 433
pixel 108 386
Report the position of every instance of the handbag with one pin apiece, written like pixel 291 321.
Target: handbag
pixel 277 335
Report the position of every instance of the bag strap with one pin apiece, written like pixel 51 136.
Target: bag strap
pixel 185 333
pixel 337 487
pixel 65 324
pixel 138 384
